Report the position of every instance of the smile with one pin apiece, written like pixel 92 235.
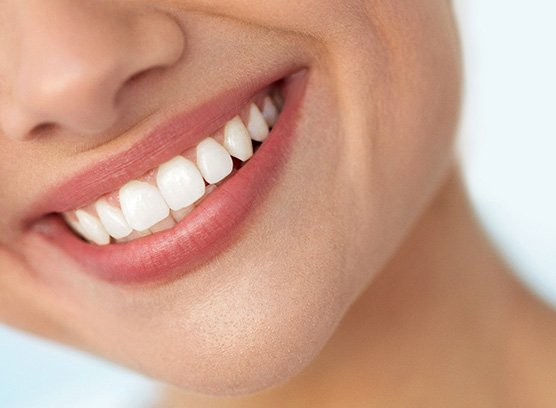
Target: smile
pixel 185 207
pixel 164 196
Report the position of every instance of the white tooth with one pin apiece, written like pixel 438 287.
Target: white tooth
pixel 180 183
pixel 75 226
pixel 134 235
pixel 213 160
pixel 258 129
pixel 237 140
pixel 92 228
pixel 270 112
pixel 113 219
pixel 142 205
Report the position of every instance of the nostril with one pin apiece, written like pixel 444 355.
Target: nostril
pixel 42 129
pixel 138 76
pixel 86 82
pixel 134 81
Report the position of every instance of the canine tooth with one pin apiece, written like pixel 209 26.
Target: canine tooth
pixel 180 183
pixel 237 140
pixel 142 205
pixel 270 111
pixel 213 161
pixel 112 219
pixel 92 228
pixel 74 224
pixel 258 129
pixel 165 224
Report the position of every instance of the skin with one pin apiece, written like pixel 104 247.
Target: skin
pixel 389 294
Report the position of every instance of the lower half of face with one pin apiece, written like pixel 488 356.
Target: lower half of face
pixel 242 290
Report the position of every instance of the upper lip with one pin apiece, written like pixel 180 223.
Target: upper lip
pixel 159 144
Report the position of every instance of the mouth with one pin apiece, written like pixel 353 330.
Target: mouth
pixel 190 204
pixel 164 196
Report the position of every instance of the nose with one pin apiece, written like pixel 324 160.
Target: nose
pixel 67 62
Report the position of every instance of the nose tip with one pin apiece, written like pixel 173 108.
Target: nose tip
pixel 70 76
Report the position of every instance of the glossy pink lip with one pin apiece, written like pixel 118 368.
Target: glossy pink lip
pixel 204 232
pixel 159 145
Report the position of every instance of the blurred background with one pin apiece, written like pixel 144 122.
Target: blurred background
pixel 507 147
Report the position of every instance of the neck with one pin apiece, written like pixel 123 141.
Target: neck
pixel 444 324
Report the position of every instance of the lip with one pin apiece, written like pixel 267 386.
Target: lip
pixel 211 227
pixel 157 146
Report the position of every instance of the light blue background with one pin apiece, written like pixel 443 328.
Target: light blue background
pixel 508 146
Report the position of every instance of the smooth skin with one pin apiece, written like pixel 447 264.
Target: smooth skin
pixel 362 280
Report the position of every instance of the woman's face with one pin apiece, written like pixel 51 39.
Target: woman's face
pixel 245 290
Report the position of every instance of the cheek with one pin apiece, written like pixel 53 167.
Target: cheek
pixel 323 20
pixel 416 143
pixel 400 98
pixel 397 96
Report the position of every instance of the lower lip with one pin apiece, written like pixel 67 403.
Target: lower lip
pixel 212 226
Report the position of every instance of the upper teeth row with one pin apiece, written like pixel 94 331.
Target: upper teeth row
pixel 165 196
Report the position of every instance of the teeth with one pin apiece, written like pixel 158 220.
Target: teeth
pixel 257 125
pixel 113 220
pixel 142 204
pixel 270 111
pixel 165 196
pixel 91 228
pixel 135 235
pixel 74 225
pixel 213 160
pixel 180 183
pixel 237 140
pixel 140 234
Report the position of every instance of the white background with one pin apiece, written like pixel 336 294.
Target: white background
pixel 508 143
pixel 509 131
